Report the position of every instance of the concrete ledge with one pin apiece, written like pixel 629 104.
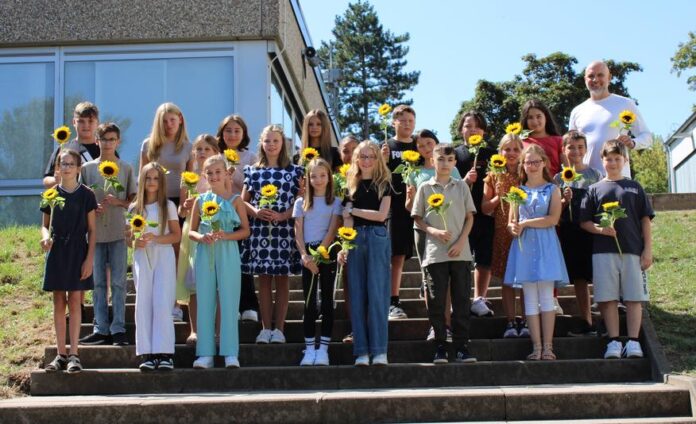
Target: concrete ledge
pixel 684 382
pixel 673 201
pixel 653 348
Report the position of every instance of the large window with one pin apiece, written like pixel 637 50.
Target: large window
pixel 283 113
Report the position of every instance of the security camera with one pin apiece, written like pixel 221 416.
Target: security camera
pixel 310 54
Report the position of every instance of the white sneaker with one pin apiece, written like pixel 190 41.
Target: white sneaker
pixel 322 357
pixel 449 335
pixel 264 336
pixel 362 361
pixel 380 359
pixel 613 350
pixel 632 350
pixel 431 334
pixel 308 358
pixel 177 314
pixel 250 315
pixel 395 312
pixel 557 306
pixel 479 307
pixel 203 362
pixel 231 362
pixel 277 336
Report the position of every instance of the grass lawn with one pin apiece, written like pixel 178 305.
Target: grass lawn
pixel 27 323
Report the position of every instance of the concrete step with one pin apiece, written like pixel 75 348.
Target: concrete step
pixel 484 373
pixel 405 329
pixel 413 307
pixel 645 402
pixel 290 354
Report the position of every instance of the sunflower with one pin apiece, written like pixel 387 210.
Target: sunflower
pixel 384 109
pixel 61 134
pixel 190 178
pixel 436 200
pixel 231 155
pixel 568 174
pixel 323 252
pixel 50 194
pixel 343 170
pixel 137 223
pixel 498 161
pixel 475 140
pixel 610 206
pixel 627 117
pixel 108 169
pixel 309 153
pixel 269 190
pixel 410 156
pixel 514 128
pixel 347 233
pixel 210 208
pixel 518 192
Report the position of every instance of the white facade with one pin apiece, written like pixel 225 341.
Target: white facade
pixel 681 150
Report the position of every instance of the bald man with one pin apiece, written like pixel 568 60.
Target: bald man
pixel 594 116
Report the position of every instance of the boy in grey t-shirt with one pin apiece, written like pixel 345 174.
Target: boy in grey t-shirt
pixel 111 246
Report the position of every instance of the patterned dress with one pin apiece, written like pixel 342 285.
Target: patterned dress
pixel 501 236
pixel 271 247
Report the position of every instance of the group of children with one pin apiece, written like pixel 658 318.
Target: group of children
pixel 205 217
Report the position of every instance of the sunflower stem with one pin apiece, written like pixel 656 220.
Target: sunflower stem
pixel 50 226
pixel 616 239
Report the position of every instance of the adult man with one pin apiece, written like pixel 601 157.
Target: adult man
pixel 594 116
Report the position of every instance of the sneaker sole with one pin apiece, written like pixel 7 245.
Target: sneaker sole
pixel 440 361
pixel 612 357
pixel 166 369
pixel 146 369
pixel 362 365
pixel 466 361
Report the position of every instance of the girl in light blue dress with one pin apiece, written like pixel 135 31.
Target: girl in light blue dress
pixel 217 264
pixel 536 262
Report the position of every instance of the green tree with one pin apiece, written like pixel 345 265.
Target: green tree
pixel 552 79
pixel 649 167
pixel 372 61
pixel 685 58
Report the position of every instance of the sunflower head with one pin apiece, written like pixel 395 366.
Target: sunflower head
pixel 475 140
pixel 514 128
pixel 610 206
pixel 384 109
pixel 436 200
pixel 347 233
pixel 231 155
pixel 343 170
pixel 61 134
pixel 568 174
pixel 410 156
pixel 323 252
pixel 269 190
pixel 498 161
pixel 137 223
pixel 210 208
pixel 108 169
pixel 518 192
pixel 309 153
pixel 50 194
pixel 189 177
pixel 627 117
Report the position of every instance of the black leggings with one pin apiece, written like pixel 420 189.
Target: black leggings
pixel 325 279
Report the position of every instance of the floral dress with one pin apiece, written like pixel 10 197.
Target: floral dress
pixel 502 238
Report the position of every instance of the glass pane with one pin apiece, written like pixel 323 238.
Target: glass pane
pixel 26 119
pixel 129 91
pixel 276 102
pixel 287 120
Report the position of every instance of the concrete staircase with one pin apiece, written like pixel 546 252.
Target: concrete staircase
pixel 271 387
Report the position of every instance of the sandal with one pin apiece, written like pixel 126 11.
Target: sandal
pixel 547 354
pixel 74 364
pixel 58 364
pixel 536 354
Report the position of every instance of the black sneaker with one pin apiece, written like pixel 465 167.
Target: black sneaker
pixel 587 330
pixel 95 339
pixel 464 356
pixel 440 355
pixel 149 364
pixel 166 363
pixel 119 339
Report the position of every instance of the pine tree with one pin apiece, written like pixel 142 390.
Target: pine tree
pixel 372 61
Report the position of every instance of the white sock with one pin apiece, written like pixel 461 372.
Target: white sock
pixel 324 343
pixel 309 343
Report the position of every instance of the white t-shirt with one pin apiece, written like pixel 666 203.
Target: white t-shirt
pixel 152 215
pixel 316 220
pixel 593 118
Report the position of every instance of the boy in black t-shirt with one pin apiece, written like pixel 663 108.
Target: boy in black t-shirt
pixel 404 122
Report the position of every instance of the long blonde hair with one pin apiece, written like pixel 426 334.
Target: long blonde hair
pixel 324 138
pixel 381 177
pixel 309 190
pixel 138 205
pixel 283 159
pixel 157 133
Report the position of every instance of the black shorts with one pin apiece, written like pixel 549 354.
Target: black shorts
pixel 577 251
pixel 481 240
pixel 401 232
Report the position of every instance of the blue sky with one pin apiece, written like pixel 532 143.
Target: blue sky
pixel 455 43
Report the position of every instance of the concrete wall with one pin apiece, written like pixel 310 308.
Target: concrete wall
pixel 673 201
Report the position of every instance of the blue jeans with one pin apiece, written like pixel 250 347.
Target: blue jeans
pixel 369 281
pixel 115 254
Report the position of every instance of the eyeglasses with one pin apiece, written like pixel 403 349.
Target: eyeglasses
pixel 108 140
pixel 366 157
pixel 533 162
pixel 68 165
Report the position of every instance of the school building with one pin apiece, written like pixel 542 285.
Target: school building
pixel 681 157
pixel 210 57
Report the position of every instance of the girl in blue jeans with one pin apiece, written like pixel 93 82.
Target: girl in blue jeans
pixel 366 210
